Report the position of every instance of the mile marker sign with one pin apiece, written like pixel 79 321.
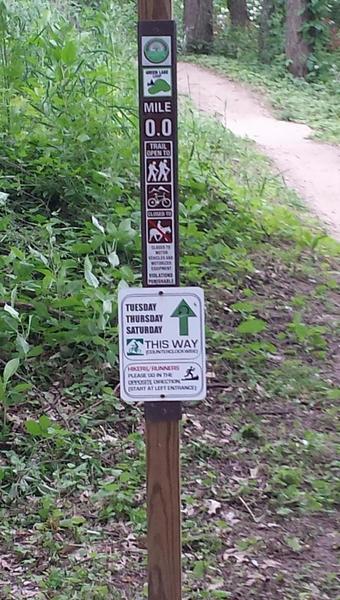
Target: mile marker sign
pixel 158 144
pixel 162 344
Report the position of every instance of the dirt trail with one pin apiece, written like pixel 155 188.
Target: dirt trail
pixel 311 168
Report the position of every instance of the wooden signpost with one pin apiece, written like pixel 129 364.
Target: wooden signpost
pixel 162 418
pixel 161 327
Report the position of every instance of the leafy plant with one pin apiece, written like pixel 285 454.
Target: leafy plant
pixel 10 369
pixel 72 465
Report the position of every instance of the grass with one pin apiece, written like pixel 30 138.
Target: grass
pixel 314 103
pixel 259 456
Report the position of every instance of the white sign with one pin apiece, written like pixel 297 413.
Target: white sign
pixel 162 344
pixel 160 227
pixel 157 82
pixel 156 51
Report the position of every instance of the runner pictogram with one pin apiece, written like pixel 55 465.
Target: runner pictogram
pixel 160 231
pixel 190 375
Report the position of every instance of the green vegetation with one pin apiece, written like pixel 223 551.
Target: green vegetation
pixel 292 56
pixel 259 457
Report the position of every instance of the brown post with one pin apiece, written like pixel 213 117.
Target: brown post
pixel 155 10
pixel 163 498
pixel 163 418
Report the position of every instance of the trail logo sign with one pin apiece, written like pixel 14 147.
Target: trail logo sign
pixel 157 82
pixel 156 50
pixel 162 344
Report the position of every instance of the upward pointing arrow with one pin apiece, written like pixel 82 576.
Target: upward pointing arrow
pixel 183 312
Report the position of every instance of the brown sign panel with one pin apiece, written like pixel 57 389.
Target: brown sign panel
pixel 159 152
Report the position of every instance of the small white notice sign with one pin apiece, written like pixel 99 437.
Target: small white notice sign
pixel 162 344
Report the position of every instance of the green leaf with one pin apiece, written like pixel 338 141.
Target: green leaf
pixel 218 594
pixel 89 276
pixel 243 306
pixel 69 53
pixel 252 326
pixel 22 344
pixel 14 294
pixel 3 198
pixel 39 255
pixel 122 285
pixel 33 427
pixel 83 137
pixel 2 390
pixel 97 224
pixel 11 311
pixel 10 369
pixel 284 511
pixel 73 521
pixel 78 520
pixel 113 259
pixel 250 432
pixel 81 248
pixel 334 394
pixel 294 544
pixel 107 307
pixel 199 569
pixel 36 351
pixel 21 387
pixel 44 423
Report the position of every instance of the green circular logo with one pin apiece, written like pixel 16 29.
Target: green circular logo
pixel 156 51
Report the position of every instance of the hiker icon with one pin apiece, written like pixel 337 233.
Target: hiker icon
pixel 153 171
pixel 189 376
pixel 135 347
pixel 159 171
pixel 164 170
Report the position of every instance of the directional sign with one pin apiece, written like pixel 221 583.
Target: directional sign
pixel 158 137
pixel 161 359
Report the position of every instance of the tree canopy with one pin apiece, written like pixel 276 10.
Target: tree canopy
pixel 302 34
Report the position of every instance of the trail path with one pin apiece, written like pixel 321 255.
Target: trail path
pixel 311 168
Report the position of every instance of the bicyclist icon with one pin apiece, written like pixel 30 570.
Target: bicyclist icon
pixel 159 197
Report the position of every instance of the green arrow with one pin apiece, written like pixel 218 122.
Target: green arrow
pixel 183 312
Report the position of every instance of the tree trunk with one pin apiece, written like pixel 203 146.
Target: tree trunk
pixel 265 37
pixel 238 13
pixel 198 25
pixel 298 48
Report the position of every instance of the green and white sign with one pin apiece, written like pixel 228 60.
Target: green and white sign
pixel 157 82
pixel 162 344
pixel 156 51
